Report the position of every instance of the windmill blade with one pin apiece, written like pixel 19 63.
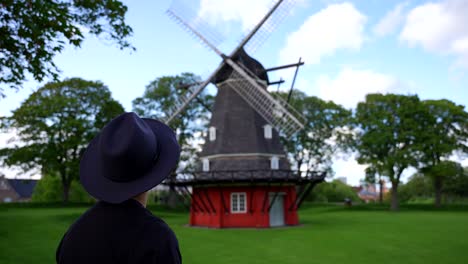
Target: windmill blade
pixel 275 111
pixel 191 93
pixel 190 21
pixel 270 24
pixel 183 100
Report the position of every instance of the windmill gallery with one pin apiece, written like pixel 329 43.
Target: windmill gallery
pixel 244 178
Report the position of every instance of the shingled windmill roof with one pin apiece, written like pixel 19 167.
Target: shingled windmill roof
pixel 243 58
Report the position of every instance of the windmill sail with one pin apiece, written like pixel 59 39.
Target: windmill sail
pixel 183 13
pixel 183 100
pixel 275 111
pixel 270 24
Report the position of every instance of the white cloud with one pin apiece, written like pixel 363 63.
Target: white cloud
pixel 247 12
pixel 439 27
pixel 14 172
pixel 350 86
pixel 338 26
pixel 464 162
pixel 389 23
pixel 349 168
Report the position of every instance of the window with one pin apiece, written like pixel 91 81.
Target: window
pixel 3 185
pixel 212 133
pixel 267 131
pixel 238 203
pixel 274 163
pixel 206 164
pixel 277 111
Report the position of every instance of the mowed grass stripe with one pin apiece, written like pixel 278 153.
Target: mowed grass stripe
pixel 327 235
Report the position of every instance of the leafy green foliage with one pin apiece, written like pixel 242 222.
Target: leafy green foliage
pixel 160 96
pixel 49 190
pixel 32 32
pixel 335 191
pixel 78 194
pixel 439 173
pixel 327 131
pixel 418 187
pixel 54 126
pixel 445 131
pixel 457 185
pixel 387 135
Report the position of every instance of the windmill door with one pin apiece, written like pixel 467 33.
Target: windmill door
pixel 277 210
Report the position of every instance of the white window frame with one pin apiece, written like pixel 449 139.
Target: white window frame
pixel 212 133
pixel 236 203
pixel 274 163
pixel 267 131
pixel 206 164
pixel 3 185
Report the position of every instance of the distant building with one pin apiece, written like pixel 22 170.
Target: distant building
pixel 369 192
pixel 16 190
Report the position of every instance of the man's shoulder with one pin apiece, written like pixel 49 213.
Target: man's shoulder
pixel 157 242
pixel 156 226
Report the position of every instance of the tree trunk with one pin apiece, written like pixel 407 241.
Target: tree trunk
pixel 66 191
pixel 438 191
pixel 381 182
pixel 172 197
pixel 395 206
pixel 299 164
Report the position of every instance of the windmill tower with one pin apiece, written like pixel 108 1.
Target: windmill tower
pixel 244 178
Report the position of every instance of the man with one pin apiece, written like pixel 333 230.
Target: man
pixel 126 159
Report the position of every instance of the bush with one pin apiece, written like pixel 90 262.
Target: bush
pixel 335 191
pixel 49 190
pixel 418 188
pixel 78 193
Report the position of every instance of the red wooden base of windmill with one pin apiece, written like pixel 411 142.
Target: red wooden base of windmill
pixel 252 204
pixel 244 206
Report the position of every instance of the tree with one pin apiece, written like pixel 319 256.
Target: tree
pixel 327 131
pixel 418 187
pixel 386 138
pixel 160 97
pixel 54 126
pixel 49 189
pixel 32 32
pixel 457 186
pixel 335 191
pixel 441 172
pixel 375 177
pixel 445 131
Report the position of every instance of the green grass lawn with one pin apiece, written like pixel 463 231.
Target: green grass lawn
pixel 328 235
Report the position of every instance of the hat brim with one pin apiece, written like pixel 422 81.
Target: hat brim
pixel 92 174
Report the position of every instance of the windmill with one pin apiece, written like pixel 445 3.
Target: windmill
pixel 244 177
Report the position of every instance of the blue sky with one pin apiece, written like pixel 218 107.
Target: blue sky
pixel 350 48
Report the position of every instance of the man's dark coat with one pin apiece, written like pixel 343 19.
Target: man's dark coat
pixel 119 233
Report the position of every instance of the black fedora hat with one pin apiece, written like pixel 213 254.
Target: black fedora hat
pixel 129 156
